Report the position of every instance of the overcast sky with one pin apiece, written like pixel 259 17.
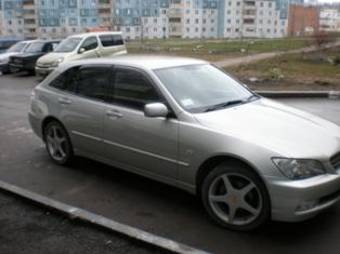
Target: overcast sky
pixel 329 1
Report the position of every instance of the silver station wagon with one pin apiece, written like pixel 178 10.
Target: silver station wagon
pixel 187 123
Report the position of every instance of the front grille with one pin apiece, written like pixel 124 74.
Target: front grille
pixel 335 161
pixel 17 60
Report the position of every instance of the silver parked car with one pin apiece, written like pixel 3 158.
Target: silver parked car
pixel 187 123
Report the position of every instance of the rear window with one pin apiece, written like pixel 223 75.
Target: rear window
pixel 110 40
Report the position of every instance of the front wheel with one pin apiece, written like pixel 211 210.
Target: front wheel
pixel 235 197
pixel 58 143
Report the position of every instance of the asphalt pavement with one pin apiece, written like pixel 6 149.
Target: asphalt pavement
pixel 143 203
pixel 26 228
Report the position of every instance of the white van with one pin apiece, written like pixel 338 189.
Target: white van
pixel 81 46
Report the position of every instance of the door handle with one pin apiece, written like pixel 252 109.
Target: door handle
pixel 64 101
pixel 114 113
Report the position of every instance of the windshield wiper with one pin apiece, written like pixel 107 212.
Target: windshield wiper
pixel 252 97
pixel 224 104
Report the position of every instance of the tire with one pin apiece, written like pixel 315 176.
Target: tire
pixel 235 197
pixel 6 72
pixel 58 143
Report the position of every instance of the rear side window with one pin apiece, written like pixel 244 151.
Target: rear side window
pixel 92 82
pixel 65 81
pixel 118 40
pixel 90 43
pixel 132 89
pixel 109 40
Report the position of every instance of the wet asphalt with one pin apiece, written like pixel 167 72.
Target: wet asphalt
pixel 143 203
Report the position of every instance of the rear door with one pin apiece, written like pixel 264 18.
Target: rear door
pixel 113 44
pixel 82 104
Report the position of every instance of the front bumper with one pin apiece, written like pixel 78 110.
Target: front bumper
pixel 302 199
pixel 43 71
pixel 4 67
pixel 17 67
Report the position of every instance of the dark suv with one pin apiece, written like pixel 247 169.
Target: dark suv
pixel 26 61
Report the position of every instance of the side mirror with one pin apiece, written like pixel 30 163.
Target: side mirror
pixel 156 110
pixel 81 50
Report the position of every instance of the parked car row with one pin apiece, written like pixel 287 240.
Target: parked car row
pixel 43 56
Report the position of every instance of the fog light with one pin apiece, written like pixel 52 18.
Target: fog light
pixel 306 205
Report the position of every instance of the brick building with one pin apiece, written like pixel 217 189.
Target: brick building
pixel 303 20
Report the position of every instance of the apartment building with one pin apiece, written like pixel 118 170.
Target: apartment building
pixel 12 18
pixel 139 19
pixel 200 19
pixel 330 20
pixel 29 16
pixel 253 18
pixel 64 17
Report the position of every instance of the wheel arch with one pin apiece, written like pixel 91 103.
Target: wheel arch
pixel 210 163
pixel 46 121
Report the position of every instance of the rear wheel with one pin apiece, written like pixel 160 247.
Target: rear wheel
pixel 58 143
pixel 235 197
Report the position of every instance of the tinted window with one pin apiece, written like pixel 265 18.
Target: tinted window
pixel 48 47
pixel 118 40
pixel 90 43
pixel 92 82
pixel 66 80
pixel 110 40
pixel 132 89
pixel 107 40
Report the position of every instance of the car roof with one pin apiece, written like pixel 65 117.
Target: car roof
pixel 45 41
pixel 28 41
pixel 141 61
pixel 94 33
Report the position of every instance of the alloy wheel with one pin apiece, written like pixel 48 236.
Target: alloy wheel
pixel 56 142
pixel 235 199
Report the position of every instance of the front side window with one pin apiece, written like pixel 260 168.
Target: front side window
pixel 90 43
pixel 133 89
pixel 200 88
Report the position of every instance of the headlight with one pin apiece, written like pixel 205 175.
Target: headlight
pixel 299 168
pixel 4 60
pixel 57 62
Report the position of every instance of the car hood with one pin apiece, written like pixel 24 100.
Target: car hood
pixel 279 128
pixel 29 55
pixel 8 55
pixel 52 57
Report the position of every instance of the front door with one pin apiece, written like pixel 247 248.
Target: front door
pixel 142 143
pixel 90 47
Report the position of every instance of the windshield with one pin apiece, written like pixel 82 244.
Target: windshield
pixel 200 88
pixel 18 47
pixel 35 47
pixel 68 45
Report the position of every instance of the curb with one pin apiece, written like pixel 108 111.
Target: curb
pixel 299 94
pixel 100 221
